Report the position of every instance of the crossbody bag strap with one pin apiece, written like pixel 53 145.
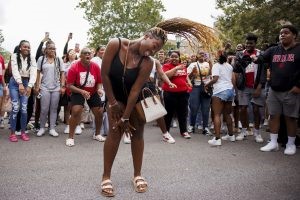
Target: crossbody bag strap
pixel 86 77
pixel 124 70
pixel 200 73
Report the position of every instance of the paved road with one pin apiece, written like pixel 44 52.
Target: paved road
pixel 45 168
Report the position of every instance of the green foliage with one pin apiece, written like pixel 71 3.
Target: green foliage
pixel 120 18
pixel 1 38
pixel 262 17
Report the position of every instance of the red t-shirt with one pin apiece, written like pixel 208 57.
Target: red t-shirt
pixel 2 68
pixel 179 79
pixel 77 74
pixel 251 70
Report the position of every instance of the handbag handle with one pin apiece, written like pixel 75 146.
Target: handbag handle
pixel 152 95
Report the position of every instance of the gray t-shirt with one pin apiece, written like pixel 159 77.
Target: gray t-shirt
pixel 51 73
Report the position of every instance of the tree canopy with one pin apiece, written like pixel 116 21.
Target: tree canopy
pixel 120 18
pixel 261 17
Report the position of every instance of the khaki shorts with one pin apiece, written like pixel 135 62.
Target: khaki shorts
pixel 284 103
pixel 245 96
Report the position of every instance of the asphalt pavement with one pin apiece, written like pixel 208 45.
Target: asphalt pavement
pixel 45 168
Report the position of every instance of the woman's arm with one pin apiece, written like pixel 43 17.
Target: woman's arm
pixel 162 74
pixel 144 73
pixel 170 73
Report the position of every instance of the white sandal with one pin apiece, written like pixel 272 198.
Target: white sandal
pixel 138 183
pixel 70 142
pixel 107 185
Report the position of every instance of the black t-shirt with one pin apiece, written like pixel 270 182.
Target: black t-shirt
pixel 284 67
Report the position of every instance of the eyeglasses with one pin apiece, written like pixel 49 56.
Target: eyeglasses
pixel 86 53
pixel 52 48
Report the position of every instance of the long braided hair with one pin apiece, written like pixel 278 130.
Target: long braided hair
pixel 193 32
pixel 18 52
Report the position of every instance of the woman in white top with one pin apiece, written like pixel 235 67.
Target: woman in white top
pixel 24 71
pixel 223 95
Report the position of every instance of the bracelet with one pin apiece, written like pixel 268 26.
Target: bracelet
pixel 124 120
pixel 112 105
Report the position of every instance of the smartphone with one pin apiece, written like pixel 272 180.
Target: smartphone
pixel 47 34
pixel 70 35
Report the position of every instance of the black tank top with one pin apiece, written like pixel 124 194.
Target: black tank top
pixel 116 72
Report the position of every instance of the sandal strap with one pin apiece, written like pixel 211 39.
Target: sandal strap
pixel 139 180
pixel 106 182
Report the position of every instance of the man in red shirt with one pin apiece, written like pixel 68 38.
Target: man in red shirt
pixel 253 90
pixel 84 81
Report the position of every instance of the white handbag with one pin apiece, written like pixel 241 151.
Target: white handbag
pixel 150 108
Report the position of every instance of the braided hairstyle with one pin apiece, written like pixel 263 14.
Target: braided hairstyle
pixel 194 32
pixel 19 62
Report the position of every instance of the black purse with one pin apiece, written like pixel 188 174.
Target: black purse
pixel 204 92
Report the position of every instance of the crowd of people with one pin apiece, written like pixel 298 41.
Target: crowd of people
pixel 234 92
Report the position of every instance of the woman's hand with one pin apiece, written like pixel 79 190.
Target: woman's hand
pixel 295 90
pixel 28 91
pixel 172 85
pixel 36 90
pixel 22 89
pixel 62 90
pixel 116 111
pixel 124 126
pixel 85 94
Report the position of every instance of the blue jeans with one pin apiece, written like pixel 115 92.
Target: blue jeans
pixel 18 101
pixel 196 102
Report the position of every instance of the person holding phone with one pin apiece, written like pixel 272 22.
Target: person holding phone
pixel 23 78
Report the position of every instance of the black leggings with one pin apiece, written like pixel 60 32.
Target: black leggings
pixel 176 102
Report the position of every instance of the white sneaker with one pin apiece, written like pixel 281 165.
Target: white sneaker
pixel 41 132
pixel 228 137
pixel 271 146
pixel 290 149
pixel 67 129
pixel 78 130
pixel 240 136
pixel 207 132
pixel 223 128
pixel 212 126
pixel 200 127
pixel 251 125
pixel 82 125
pixel 167 137
pixel 18 133
pixel 190 129
pixel 53 133
pixel 215 142
pixel 70 142
pixel 2 124
pixel 174 124
pixel 250 133
pixel 99 138
pixel 186 135
pixel 126 139
pixel 259 139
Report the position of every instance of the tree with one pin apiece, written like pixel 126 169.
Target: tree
pixel 1 37
pixel 262 17
pixel 120 18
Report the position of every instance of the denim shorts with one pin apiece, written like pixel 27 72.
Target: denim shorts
pixel 226 95
pixel 1 90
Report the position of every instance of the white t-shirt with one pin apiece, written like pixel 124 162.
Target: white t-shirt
pixel 204 67
pixel 224 71
pixel 97 60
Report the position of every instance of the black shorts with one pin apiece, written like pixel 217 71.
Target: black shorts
pixel 93 101
pixel 64 100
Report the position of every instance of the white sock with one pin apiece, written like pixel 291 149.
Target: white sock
pixel 255 132
pixel 291 140
pixel 273 137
